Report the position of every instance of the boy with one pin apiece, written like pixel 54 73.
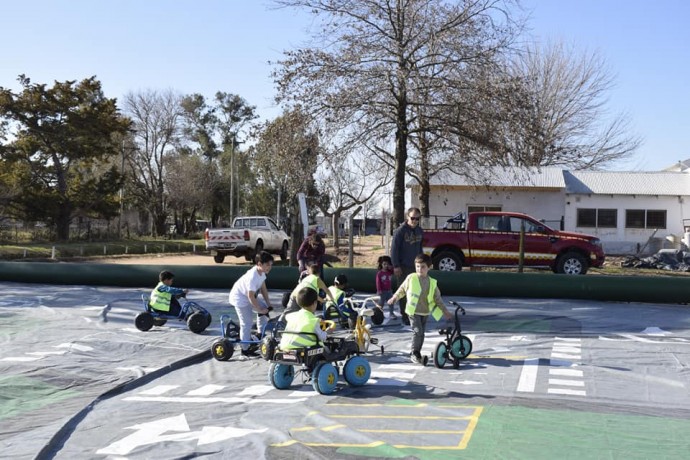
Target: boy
pixel 244 298
pixel 164 297
pixel 423 298
pixel 337 294
pixel 303 328
pixel 312 281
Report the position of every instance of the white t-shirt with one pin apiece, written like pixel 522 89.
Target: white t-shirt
pixel 250 281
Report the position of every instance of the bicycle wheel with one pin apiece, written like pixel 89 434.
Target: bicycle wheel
pixel 440 355
pixel 362 337
pixel 461 347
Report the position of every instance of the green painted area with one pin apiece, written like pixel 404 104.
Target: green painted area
pixel 524 433
pixel 499 325
pixel 21 394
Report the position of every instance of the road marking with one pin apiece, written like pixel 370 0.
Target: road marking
pixel 206 390
pixel 566 372
pixel 528 376
pixel 572 383
pixel 565 391
pixel 215 399
pixel 256 390
pixel 21 359
pixel 158 390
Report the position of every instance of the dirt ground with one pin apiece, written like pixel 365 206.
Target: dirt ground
pixel 366 252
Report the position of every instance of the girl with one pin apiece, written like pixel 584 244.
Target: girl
pixel 384 281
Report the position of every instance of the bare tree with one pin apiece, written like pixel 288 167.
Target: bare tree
pixel 349 180
pixel 365 67
pixel 564 120
pixel 156 123
pixel 285 157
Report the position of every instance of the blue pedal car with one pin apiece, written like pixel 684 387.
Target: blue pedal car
pixel 222 349
pixel 196 316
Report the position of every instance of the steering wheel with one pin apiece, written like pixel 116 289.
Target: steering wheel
pixel 327 324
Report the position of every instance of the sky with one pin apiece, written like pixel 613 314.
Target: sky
pixel 204 46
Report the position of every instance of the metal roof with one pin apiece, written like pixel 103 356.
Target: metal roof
pixel 545 177
pixel 627 183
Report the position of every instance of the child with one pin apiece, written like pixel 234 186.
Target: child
pixel 312 281
pixel 338 307
pixel 244 298
pixel 423 298
pixel 164 296
pixel 384 281
pixel 303 328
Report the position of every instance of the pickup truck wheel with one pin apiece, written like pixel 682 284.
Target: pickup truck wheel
pixel 448 261
pixel 571 263
pixel 284 251
pixel 219 258
pixel 259 248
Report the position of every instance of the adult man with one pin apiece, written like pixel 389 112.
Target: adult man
pixel 407 244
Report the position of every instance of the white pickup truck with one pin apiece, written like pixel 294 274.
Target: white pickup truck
pixel 246 237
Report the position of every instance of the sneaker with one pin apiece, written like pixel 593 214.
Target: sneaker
pixel 250 353
pixel 416 358
pixel 392 316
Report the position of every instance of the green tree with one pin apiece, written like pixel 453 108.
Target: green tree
pixel 59 139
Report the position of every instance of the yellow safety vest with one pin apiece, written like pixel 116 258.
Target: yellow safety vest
pixel 336 293
pixel 311 281
pixel 415 290
pixel 300 331
pixel 160 300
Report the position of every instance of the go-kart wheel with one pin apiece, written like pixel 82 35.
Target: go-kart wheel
pixel 357 371
pixel 281 375
pixel 144 321
pixel 222 349
pixel 285 299
pixel 268 348
pixel 461 347
pixel 378 317
pixel 159 321
pixel 325 378
pixel 196 322
pixel 209 319
pixel 440 355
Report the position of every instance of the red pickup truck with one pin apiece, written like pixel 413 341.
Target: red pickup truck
pixel 493 239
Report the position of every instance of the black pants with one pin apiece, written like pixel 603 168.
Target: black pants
pixel 175 308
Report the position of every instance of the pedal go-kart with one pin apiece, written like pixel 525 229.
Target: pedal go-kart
pixel 455 346
pixel 316 364
pixel 196 316
pixel 222 349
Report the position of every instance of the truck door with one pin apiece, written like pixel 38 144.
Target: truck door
pixel 537 243
pixel 489 242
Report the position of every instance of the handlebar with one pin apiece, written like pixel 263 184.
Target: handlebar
pixel 459 307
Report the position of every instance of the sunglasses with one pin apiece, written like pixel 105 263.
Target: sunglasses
pixel 414 218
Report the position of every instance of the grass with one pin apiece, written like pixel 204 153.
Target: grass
pixel 98 249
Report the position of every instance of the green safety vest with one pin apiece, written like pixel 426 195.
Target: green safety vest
pixel 300 328
pixel 413 293
pixel 160 300
pixel 311 281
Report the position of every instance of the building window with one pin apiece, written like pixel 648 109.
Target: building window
pixel 645 218
pixel 597 218
pixel 479 208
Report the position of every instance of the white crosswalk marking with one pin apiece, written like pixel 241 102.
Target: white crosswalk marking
pixel 159 390
pixel 205 390
pixel 572 383
pixel 566 372
pixel 256 390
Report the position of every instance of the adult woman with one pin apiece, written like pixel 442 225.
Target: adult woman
pixel 311 251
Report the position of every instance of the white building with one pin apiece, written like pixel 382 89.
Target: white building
pixel 630 212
